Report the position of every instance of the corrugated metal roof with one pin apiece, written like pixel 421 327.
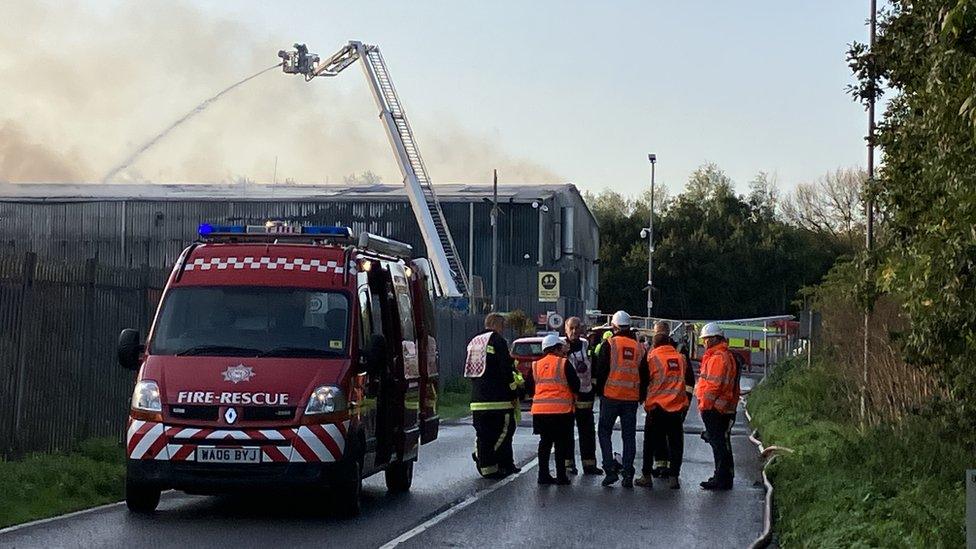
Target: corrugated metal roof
pixel 453 192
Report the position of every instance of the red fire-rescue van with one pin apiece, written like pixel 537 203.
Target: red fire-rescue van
pixel 283 357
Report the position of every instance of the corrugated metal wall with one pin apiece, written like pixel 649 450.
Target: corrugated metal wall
pixel 132 233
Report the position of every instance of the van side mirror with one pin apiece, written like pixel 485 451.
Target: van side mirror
pixel 377 354
pixel 130 349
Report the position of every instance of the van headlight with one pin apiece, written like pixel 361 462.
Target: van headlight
pixel 325 400
pixel 146 397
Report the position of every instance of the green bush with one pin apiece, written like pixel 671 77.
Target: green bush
pixel 896 486
pixel 44 485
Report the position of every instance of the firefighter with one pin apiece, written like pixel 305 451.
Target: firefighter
pixel 618 382
pixel 718 395
pixel 579 357
pixel 556 385
pixel 668 385
pixel 493 383
pixel 603 338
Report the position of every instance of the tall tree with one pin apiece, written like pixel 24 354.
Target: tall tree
pixel 831 207
pixel 926 52
pixel 718 255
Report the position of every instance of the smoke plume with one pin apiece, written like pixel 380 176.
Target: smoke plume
pixel 84 87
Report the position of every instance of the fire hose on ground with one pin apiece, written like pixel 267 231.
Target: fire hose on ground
pixel 769 455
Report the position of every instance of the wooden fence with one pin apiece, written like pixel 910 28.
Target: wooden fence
pixel 59 322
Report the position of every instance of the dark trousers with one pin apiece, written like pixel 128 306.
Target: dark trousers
pixel 554 430
pixel 718 429
pixel 664 440
pixel 586 426
pixel 626 410
pixel 494 430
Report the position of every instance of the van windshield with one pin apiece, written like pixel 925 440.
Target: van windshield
pixel 252 321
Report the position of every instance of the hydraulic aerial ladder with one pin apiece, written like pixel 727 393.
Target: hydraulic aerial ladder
pixel 433 227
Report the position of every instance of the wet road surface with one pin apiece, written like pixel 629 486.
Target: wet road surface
pixel 450 506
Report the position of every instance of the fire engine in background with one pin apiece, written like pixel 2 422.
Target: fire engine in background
pixel 284 357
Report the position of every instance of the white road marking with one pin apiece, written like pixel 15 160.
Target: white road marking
pixel 424 526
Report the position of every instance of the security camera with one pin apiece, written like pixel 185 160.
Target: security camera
pixel 535 203
pixel 545 208
pixel 643 233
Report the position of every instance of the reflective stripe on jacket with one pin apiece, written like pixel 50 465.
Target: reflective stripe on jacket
pixel 666 389
pixel 552 392
pixel 623 379
pixel 718 382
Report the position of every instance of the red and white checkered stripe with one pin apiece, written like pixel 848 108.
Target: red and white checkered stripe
pixel 305 444
pixel 272 263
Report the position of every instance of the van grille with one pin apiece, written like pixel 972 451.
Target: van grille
pixel 267 413
pixel 248 413
pixel 205 413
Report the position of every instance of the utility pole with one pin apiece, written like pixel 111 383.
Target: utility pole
pixel 494 244
pixel 869 210
pixel 650 244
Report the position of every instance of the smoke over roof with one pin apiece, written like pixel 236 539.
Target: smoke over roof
pixel 84 87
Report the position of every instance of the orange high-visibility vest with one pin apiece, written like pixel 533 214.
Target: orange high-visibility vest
pixel 718 381
pixel 623 380
pixel 552 392
pixel 666 389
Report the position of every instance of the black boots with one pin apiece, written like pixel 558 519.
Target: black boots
pixel 714 484
pixel 545 478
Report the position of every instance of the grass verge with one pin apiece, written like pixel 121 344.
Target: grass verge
pixel 454 400
pixel 45 485
pixel 892 486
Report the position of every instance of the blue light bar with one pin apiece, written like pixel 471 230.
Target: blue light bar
pixel 327 230
pixel 278 229
pixel 206 229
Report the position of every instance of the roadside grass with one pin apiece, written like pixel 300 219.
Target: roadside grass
pixel 45 485
pixel 454 400
pixel 891 486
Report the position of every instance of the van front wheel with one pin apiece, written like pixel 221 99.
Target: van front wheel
pixel 399 477
pixel 348 500
pixel 141 498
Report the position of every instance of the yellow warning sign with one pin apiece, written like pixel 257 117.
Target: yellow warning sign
pixel 548 286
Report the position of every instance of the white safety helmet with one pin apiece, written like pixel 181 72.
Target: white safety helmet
pixel 551 340
pixel 621 319
pixel 711 329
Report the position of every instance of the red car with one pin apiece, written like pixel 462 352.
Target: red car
pixel 525 351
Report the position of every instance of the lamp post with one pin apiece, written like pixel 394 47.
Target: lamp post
pixel 648 233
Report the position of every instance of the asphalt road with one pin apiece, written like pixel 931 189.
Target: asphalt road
pixel 450 506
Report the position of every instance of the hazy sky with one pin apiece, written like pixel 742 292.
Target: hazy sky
pixel 586 89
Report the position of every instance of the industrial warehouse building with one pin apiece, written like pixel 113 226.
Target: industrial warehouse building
pixel 546 233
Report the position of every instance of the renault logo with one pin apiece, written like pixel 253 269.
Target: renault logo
pixel 230 415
